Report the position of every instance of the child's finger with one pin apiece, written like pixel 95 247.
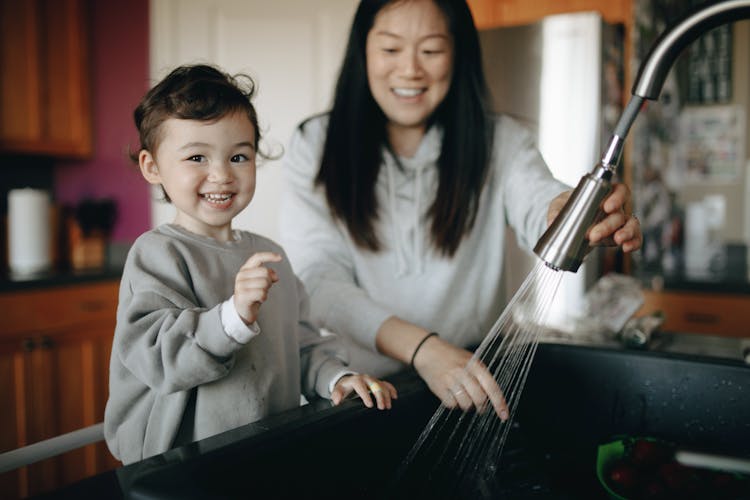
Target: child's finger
pixel 246 284
pixel 259 258
pixel 382 397
pixel 391 389
pixel 337 395
pixel 361 388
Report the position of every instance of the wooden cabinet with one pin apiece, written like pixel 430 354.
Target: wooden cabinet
pixel 492 13
pixel 54 367
pixel 699 312
pixel 45 83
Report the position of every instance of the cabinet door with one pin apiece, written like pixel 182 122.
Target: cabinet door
pixel 67 378
pixel 13 416
pixel 54 363
pixel 45 83
pixel 20 111
pixel 494 13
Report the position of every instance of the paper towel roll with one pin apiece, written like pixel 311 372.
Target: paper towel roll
pixel 28 231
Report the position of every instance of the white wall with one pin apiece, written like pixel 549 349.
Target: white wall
pixel 291 48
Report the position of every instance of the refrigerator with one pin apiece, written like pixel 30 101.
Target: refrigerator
pixel 561 77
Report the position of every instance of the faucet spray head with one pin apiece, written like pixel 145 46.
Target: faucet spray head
pixel 565 243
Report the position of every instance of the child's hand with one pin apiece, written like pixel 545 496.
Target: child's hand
pixel 366 387
pixel 252 284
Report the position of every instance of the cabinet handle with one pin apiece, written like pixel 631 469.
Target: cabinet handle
pixel 28 345
pixel 703 318
pixel 46 343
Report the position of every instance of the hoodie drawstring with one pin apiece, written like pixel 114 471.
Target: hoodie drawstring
pixel 400 248
pixel 417 247
pixel 395 228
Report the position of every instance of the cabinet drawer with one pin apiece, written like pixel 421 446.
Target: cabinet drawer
pixel 692 312
pixel 59 308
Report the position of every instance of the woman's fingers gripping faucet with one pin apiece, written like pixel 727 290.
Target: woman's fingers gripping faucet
pixel 616 228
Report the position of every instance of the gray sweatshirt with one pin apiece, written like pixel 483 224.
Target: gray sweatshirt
pixel 175 375
pixel 353 291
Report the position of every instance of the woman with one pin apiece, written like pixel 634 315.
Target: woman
pixel 397 199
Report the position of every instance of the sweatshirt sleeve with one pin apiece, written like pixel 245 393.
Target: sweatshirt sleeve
pixel 527 184
pixel 163 337
pixel 319 248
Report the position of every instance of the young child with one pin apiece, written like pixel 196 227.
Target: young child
pixel 212 328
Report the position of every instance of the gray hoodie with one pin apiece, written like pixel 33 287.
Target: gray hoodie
pixel 353 291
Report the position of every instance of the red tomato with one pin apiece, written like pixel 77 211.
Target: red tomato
pixel 648 453
pixel 623 476
pixel 677 477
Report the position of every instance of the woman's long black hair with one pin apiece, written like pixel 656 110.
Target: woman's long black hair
pixel 356 134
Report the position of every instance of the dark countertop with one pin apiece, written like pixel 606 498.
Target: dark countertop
pixel 112 270
pixel 681 283
pixel 9 283
pixel 283 452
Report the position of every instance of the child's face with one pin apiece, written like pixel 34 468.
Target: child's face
pixel 207 169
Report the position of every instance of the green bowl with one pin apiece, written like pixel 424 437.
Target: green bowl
pixel 606 455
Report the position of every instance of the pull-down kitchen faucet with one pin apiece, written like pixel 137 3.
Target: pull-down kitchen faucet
pixel 564 245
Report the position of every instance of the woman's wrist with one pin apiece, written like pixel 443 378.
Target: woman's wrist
pixel 419 347
pixel 398 339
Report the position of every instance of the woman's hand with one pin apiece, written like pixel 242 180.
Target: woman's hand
pixel 367 387
pixel 623 230
pixel 252 284
pixel 615 228
pixel 457 379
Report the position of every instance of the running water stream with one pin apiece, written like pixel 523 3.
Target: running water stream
pixel 458 452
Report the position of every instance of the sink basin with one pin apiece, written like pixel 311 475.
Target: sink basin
pixel 576 398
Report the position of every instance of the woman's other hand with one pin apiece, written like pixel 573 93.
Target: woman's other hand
pixel 368 388
pixel 457 379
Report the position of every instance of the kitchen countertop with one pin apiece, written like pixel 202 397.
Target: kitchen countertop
pixel 9 283
pixel 117 253
pixel 147 478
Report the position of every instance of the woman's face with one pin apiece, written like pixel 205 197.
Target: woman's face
pixel 409 62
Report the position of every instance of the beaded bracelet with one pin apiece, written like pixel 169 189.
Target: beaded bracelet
pixel 416 350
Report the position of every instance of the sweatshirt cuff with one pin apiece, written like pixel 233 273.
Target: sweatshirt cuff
pixel 337 377
pixel 233 324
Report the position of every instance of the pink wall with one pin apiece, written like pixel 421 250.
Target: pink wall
pixel 120 72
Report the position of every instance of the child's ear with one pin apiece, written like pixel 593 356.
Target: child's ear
pixel 149 170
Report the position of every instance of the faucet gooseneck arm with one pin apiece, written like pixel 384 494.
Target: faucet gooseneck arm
pixel 564 245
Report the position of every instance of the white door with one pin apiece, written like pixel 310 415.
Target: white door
pixel 291 48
